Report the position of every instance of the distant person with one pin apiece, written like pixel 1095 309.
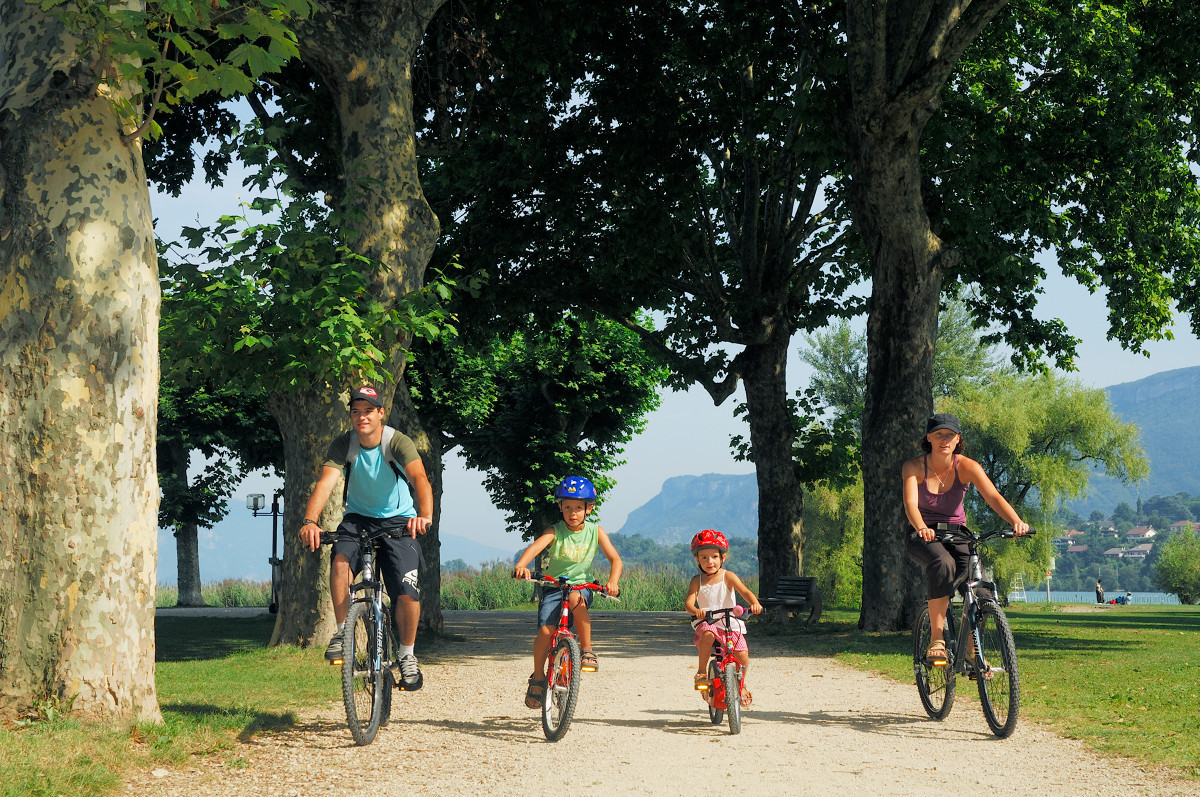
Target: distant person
pixel 572 543
pixel 379 495
pixel 1099 592
pixel 717 588
pixel 935 484
pixel 1128 597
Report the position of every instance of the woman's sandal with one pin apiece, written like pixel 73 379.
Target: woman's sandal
pixel 936 653
pixel 587 661
pixel 533 699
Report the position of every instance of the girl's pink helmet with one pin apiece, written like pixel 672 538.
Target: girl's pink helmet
pixel 709 539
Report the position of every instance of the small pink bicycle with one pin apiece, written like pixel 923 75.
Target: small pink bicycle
pixel 726 675
pixel 563 665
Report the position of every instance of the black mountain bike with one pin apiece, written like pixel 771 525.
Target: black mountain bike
pixel 980 646
pixel 368 646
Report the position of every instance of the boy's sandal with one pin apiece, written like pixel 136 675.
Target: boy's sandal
pixel 747 698
pixel 936 653
pixel 587 661
pixel 535 692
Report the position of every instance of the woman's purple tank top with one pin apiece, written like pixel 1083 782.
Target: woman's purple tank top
pixel 944 507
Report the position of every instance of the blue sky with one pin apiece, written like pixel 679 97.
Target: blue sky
pixel 687 435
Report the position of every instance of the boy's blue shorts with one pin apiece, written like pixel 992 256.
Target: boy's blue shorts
pixel 550 607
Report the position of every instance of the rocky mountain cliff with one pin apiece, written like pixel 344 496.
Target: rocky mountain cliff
pixel 688 504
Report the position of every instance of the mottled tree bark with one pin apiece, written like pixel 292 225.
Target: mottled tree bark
pixel 78 385
pixel 363 54
pixel 780 495
pixel 899 62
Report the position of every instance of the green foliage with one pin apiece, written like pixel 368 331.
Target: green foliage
pixel 1178 568
pixel 285 301
pixel 229 426
pixel 833 540
pixel 640 552
pixel 173 51
pixel 531 405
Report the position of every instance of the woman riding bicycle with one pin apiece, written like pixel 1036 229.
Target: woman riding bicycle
pixel 935 484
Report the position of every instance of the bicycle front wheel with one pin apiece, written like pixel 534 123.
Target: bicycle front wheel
pixel 935 683
pixel 715 686
pixel 733 698
pixel 562 688
pixel 387 681
pixel 362 681
pixel 999 685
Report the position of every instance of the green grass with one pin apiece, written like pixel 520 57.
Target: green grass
pixel 230 593
pixel 1126 681
pixel 217 683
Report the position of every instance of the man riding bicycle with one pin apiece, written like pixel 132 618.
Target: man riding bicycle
pixel 379 494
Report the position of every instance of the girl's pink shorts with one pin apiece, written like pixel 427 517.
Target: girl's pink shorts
pixel 739 641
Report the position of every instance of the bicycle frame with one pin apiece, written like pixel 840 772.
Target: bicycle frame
pixel 564 618
pixel 722 653
pixel 965 584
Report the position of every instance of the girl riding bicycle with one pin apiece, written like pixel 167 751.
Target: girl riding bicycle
pixel 935 484
pixel 572 543
pixel 717 588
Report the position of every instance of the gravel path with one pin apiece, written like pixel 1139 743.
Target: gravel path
pixel 816 727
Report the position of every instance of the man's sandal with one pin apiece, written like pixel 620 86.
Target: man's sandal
pixel 587 661
pixel 936 653
pixel 535 692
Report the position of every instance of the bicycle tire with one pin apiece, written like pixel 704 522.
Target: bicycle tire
pixel 361 680
pixel 733 698
pixel 562 688
pixel 1000 687
pixel 715 715
pixel 387 683
pixel 935 684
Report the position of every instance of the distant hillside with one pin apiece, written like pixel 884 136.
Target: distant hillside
pixel 1166 407
pixel 688 504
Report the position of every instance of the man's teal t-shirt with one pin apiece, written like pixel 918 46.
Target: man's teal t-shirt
pixel 374 490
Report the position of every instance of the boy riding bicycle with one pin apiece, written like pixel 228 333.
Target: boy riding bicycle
pixel 379 494
pixel 572 544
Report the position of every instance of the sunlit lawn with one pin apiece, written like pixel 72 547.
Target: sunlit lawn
pixel 1124 679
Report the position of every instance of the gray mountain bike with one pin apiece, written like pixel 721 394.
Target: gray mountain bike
pixel 980 645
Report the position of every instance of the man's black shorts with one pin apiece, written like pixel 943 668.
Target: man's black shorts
pixel 399 557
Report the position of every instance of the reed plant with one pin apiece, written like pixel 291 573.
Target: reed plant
pixel 229 593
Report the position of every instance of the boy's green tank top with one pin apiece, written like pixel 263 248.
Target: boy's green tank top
pixel 571 554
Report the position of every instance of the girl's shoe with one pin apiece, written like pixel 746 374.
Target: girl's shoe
pixel 747 698
pixel 535 692
pixel 701 683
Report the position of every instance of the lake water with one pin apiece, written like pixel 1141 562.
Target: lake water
pixel 1033 596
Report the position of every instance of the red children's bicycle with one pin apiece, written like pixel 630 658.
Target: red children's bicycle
pixel 563 665
pixel 726 675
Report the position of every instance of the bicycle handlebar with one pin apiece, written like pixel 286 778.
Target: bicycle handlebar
pixel 561 582
pixel 712 615
pixel 964 534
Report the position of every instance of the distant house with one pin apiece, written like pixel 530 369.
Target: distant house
pixel 1115 552
pixel 1139 551
pixel 1067 538
pixel 1179 524
pixel 1077 549
pixel 1140 533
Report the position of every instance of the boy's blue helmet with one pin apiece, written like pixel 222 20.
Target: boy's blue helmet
pixel 576 487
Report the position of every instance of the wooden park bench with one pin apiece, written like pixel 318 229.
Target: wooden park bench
pixel 795 594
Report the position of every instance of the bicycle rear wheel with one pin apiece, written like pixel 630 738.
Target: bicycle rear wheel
pixel 999 685
pixel 361 680
pixel 733 698
pixel 562 688
pixel 715 687
pixel 935 683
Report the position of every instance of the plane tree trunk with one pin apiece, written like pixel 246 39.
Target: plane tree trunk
pixel 79 304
